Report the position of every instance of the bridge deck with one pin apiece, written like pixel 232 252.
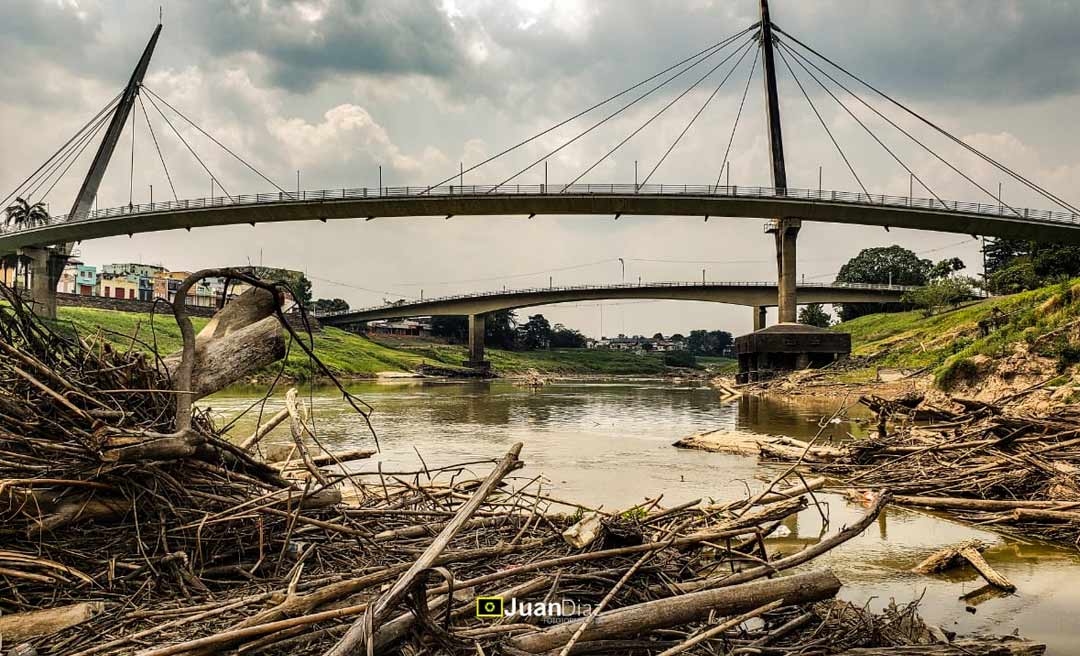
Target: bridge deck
pixel 758 294
pixel 596 199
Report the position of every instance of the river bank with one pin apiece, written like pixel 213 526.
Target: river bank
pixel 357 357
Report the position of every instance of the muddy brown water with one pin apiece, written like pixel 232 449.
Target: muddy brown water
pixel 609 444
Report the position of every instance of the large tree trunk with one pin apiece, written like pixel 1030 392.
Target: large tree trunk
pixel 242 338
pixel 673 611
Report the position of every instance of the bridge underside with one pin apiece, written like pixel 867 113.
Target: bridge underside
pixel 937 220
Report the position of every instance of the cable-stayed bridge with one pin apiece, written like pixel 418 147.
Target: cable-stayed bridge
pixel 43 242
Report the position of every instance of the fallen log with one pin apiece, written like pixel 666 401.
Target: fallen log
pixel 968 552
pixel 981 505
pixel 1008 647
pixel 36 623
pixel 651 615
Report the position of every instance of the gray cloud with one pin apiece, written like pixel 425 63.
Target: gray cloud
pixel 305 43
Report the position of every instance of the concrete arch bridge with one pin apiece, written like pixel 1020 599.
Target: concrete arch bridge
pixel 758 295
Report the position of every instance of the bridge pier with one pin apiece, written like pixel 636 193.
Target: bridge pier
pixel 46 266
pixel 476 343
pixel 759 317
pixel 786 233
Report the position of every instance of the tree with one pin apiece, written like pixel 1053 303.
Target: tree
pixel 709 342
pixel 940 293
pixel 1013 265
pixel 500 327
pixel 452 329
pixel 22 214
pixel 297 282
pixel 815 315
pixel 678 338
pixel 882 265
pixel 323 305
pixel 536 333
pixel 563 337
pixel 946 268
pixel 658 336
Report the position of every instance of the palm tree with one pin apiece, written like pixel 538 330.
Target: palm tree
pixel 23 214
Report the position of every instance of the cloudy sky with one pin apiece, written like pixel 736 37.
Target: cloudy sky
pixel 336 88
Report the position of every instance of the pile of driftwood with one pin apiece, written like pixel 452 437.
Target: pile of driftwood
pixel 1014 473
pixel 130 525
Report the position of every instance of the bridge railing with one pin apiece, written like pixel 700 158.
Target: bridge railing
pixel 412 303
pixel 732 191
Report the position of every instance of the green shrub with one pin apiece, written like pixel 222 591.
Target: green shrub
pixel 957 370
pixel 679 359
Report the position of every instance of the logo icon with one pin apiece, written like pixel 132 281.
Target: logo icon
pixel 489 607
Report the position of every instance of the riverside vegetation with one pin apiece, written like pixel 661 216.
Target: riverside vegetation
pixel 351 355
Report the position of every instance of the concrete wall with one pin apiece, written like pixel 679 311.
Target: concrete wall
pixel 124 305
pixel 144 307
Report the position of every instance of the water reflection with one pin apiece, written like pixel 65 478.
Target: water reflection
pixel 609 444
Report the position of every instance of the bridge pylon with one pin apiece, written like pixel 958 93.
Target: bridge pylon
pixel 48 263
pixel 477 329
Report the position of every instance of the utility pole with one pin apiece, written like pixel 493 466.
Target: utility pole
pixel 785 230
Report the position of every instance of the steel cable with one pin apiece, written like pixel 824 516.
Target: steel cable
pixel 658 113
pixel 708 100
pixel 719 44
pixel 823 124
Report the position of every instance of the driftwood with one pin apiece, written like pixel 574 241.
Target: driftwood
pixel 221 361
pixel 959 648
pixel 36 623
pixel 363 629
pixel 965 552
pixel 630 620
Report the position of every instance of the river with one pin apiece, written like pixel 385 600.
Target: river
pixel 608 444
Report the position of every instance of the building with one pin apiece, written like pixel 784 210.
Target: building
pixel 86 280
pixel 787 347
pixel 132 269
pixel 415 328
pixel 120 287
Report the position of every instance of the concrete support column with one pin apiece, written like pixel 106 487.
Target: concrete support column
pixel 45 269
pixel 759 317
pixel 476 343
pixel 787 233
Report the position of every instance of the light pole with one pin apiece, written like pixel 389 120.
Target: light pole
pixel 622 263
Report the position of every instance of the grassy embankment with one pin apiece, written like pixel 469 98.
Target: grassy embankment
pixel 352 355
pixel 945 343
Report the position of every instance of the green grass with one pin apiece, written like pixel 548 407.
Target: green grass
pixel 353 355
pixel 717 364
pixel 944 342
